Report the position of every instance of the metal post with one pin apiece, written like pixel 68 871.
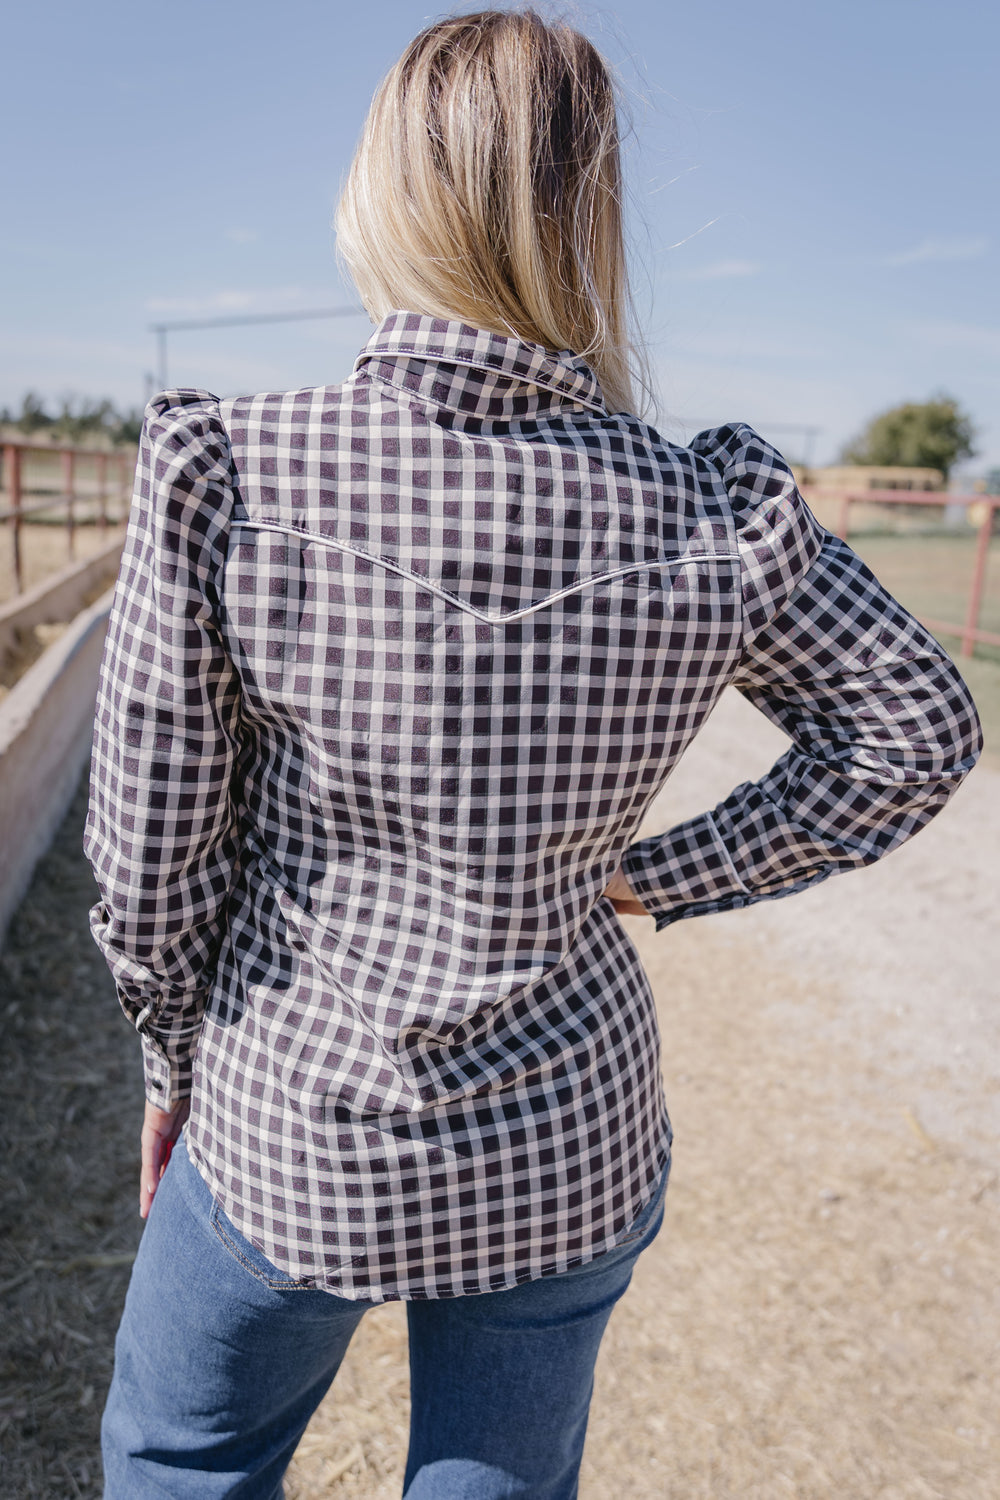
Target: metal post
pixel 102 492
pixel 123 492
pixel 12 464
pixel 162 329
pixel 161 344
pixel 978 579
pixel 68 479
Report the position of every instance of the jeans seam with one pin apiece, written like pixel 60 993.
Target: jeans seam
pixel 238 1255
pixel 630 1239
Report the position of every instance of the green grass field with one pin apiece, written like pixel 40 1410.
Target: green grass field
pixel 931 575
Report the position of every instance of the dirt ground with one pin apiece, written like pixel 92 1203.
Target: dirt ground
pixel 819 1316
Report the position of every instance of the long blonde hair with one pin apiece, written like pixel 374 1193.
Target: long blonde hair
pixel 487 187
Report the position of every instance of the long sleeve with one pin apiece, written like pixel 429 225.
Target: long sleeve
pixel 882 731
pixel 161 832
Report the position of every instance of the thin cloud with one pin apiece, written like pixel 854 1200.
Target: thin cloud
pixel 747 347
pixel 720 270
pixel 970 248
pixel 977 338
pixel 227 300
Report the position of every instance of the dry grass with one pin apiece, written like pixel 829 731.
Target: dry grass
pixel 932 574
pixel 818 1317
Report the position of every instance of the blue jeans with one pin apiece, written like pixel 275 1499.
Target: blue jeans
pixel 220 1362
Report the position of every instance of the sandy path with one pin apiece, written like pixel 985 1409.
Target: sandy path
pixel 819 1316
pixel 912 943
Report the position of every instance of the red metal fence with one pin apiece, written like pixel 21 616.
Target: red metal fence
pixel 969 631
pixel 109 488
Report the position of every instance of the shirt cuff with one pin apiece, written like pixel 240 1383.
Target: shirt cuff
pixel 685 872
pixel 690 872
pixel 167 1069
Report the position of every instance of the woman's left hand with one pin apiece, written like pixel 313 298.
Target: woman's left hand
pixel 160 1129
pixel 623 898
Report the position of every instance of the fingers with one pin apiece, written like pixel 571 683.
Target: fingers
pixel 623 897
pixel 149 1173
pixel 630 908
pixel 160 1129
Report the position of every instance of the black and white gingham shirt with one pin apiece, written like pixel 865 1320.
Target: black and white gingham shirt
pixel 394 670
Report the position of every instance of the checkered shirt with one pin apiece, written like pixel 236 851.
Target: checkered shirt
pixel 394 670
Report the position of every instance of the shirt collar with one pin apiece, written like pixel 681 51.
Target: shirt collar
pixel 474 372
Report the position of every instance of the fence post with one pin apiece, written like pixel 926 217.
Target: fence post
pixel 69 480
pixel 102 492
pixel 845 508
pixel 12 465
pixel 126 469
pixel 978 580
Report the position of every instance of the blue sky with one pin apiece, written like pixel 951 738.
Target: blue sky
pixel 814 189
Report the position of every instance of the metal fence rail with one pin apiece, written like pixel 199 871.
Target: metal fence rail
pixel 110 486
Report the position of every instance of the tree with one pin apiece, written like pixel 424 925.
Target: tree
pixel 933 434
pixel 76 420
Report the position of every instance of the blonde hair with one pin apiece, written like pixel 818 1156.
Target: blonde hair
pixel 487 187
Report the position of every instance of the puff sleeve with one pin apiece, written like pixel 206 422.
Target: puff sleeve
pixel 882 726
pixel 161 832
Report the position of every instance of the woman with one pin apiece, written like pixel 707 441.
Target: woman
pixel 395 669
